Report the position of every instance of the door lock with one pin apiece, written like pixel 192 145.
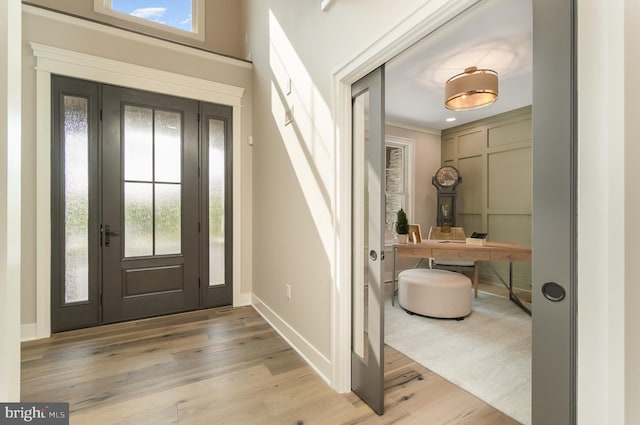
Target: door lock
pixel 107 235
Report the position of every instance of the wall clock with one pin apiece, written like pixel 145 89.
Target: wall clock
pixel 446 177
pixel 445 180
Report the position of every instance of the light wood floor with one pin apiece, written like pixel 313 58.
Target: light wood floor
pixel 222 366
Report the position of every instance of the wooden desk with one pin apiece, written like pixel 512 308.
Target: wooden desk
pixel 459 250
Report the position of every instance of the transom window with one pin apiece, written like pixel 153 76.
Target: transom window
pixel 184 17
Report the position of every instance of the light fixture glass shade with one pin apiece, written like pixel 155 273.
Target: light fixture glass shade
pixel 474 88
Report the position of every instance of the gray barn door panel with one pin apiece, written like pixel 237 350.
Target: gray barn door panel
pixel 554 214
pixel 368 206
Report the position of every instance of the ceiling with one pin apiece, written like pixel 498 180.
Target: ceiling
pixel 495 34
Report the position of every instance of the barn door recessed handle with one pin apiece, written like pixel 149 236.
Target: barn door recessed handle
pixel 553 292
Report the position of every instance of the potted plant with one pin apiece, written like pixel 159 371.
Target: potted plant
pixel 402 227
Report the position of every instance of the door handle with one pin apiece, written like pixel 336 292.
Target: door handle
pixel 373 255
pixel 107 235
pixel 553 292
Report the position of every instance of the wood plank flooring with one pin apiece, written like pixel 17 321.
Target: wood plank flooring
pixel 222 366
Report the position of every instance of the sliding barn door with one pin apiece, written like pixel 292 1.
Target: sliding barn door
pixel 367 346
pixel 554 214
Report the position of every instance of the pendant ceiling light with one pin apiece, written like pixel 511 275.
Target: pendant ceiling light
pixel 474 88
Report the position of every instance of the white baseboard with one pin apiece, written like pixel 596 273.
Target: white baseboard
pixel 244 299
pixel 313 357
pixel 28 332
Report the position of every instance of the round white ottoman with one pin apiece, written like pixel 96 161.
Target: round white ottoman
pixel 435 293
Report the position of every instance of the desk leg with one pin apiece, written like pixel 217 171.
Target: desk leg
pixel 513 296
pixel 475 279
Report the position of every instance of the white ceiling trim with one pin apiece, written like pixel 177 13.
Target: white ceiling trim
pixel 62 61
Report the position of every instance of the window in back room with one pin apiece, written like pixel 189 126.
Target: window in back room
pixel 399 176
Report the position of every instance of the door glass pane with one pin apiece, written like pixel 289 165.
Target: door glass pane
pixel 167 146
pixel 138 143
pixel 216 201
pixel 138 219
pixel 360 341
pixel 167 218
pixel 153 158
pixel 76 199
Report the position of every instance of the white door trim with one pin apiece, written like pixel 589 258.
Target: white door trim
pixel 11 184
pixel 429 17
pixel 52 60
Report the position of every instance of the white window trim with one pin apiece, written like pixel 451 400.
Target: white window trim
pixel 104 7
pixel 408 146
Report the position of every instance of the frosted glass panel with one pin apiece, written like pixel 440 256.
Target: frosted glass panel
pixel 138 219
pixel 167 146
pixel 138 143
pixel 167 210
pixel 360 232
pixel 76 199
pixel 216 202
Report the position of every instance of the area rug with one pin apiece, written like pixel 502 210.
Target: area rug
pixel 488 354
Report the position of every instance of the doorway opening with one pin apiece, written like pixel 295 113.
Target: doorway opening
pixel 546 48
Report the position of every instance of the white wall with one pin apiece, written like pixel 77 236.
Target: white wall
pixel 632 211
pixel 10 98
pixel 608 341
pixel 82 37
pixel 296 230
